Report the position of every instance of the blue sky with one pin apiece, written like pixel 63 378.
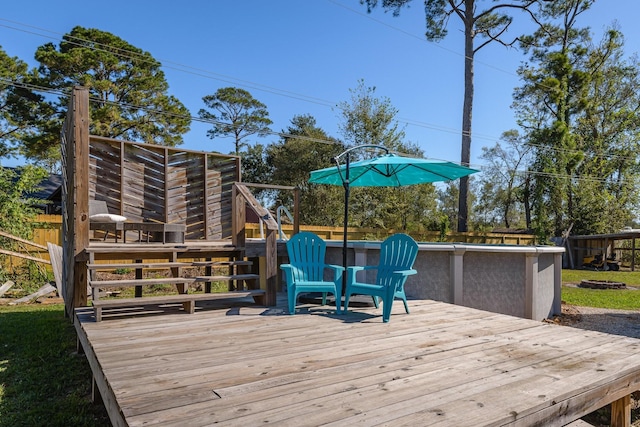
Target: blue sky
pixel 303 56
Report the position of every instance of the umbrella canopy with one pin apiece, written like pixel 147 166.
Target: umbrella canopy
pixel 390 170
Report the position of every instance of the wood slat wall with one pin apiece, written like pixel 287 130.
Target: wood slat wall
pixel 154 183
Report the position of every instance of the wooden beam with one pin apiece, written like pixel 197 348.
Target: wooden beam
pixel 55 254
pixel 268 186
pixel 20 255
pixel 44 290
pixel 271 267
pixel 4 288
pixel 239 218
pixel 18 239
pixel 296 210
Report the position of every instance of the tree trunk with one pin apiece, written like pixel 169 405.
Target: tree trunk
pixel 465 156
pixel 525 200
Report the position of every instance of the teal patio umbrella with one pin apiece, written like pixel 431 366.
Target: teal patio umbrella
pixel 387 170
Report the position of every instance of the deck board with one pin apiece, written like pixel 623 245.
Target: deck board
pixel 441 365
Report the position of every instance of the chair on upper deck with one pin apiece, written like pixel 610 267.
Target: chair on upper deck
pixel 101 219
pixel 306 269
pixel 397 255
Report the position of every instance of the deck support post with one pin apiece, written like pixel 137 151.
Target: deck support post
pixel 621 412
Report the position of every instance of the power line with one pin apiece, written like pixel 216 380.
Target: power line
pixel 283 135
pixel 123 53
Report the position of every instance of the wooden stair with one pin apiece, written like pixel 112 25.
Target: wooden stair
pixel 188 300
pixel 242 282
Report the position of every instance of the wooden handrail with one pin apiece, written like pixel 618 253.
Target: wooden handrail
pixel 255 206
pixel 296 199
pixel 242 197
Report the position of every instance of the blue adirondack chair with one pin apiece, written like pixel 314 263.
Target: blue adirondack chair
pixel 397 255
pixel 306 268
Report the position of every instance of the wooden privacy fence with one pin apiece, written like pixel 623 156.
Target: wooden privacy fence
pixel 51 231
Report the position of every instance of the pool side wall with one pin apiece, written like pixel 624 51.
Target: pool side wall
pixel 522 281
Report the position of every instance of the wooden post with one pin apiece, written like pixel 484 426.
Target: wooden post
pixel 271 267
pixel 138 289
pixel 621 412
pixel 239 218
pixel 296 210
pixel 78 182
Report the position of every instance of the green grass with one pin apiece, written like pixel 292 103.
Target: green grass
pixel 630 278
pixel 602 298
pixel 43 381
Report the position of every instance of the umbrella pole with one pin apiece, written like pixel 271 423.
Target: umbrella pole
pixel 346 221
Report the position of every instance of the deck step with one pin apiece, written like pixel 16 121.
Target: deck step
pixel 140 282
pixel 188 299
pixel 170 280
pixel 220 263
pixel 135 265
pixel 160 265
pixel 225 278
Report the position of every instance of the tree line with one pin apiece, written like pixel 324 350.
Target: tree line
pixel 571 162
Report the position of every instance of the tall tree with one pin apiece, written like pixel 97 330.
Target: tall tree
pixel 502 183
pixel 608 133
pixel 22 111
pixel 235 113
pixel 305 147
pixel 487 25
pixel 128 92
pixel 580 108
pixel 555 94
pixel 367 119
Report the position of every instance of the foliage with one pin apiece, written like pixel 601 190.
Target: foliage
pixel 579 109
pixel 17 217
pixel 17 209
pixel 554 94
pixel 255 169
pixel 235 113
pixel 487 25
pixel 128 90
pixel 502 183
pixel 20 108
pixel 367 119
pixel 43 381
pixel 305 147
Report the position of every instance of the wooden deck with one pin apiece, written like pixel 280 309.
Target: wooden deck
pixel 442 365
